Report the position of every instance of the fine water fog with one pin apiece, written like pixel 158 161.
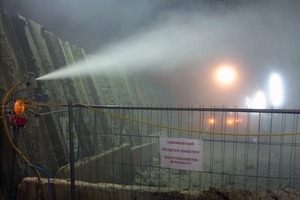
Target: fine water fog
pixel 183 48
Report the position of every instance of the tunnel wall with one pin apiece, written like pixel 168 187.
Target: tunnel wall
pixel 27 46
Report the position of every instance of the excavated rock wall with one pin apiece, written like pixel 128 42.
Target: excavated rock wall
pixel 26 46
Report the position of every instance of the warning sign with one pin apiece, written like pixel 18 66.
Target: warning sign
pixel 177 153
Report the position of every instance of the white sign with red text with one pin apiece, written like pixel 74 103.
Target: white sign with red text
pixel 180 153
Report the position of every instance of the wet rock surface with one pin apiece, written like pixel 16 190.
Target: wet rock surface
pixel 26 46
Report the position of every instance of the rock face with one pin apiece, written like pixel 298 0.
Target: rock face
pixel 26 46
pixel 108 162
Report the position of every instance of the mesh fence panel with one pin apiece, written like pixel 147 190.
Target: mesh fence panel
pixel 241 149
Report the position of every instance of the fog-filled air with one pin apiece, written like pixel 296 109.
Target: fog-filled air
pixel 232 53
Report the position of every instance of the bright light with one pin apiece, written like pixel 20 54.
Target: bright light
pixel 276 90
pixel 19 107
pixel 259 100
pixel 211 121
pixel 238 120
pixel 226 75
pixel 230 122
pixel 248 102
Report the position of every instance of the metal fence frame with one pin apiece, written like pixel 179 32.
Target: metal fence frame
pixel 212 140
pixel 118 147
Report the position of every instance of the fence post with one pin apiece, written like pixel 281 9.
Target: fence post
pixel 71 143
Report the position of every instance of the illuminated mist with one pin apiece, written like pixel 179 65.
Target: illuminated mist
pixel 168 45
pixel 184 46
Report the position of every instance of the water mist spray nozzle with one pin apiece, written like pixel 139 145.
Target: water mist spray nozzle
pixel 30 81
